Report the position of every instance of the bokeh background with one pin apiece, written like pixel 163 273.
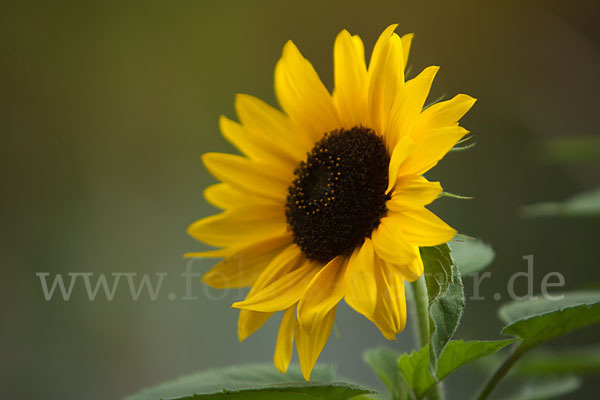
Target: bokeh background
pixel 106 108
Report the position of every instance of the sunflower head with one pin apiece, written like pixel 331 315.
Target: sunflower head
pixel 328 200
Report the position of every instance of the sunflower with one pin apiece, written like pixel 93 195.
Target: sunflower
pixel 328 200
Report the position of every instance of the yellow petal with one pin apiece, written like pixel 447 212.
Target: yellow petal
pixel 249 322
pixel 390 313
pixel 414 270
pixel 290 258
pixel 323 293
pixel 381 43
pixel 412 191
pixel 411 271
pixel 389 242
pixel 260 178
pixel 240 225
pixel 383 316
pixel 285 340
pixel 302 94
pixel 217 253
pixel 421 227
pixel 432 147
pixel 282 293
pixel 244 266
pixel 406 45
pixel 396 297
pixel 408 105
pixel 401 152
pixel 273 126
pixel 232 250
pixel 223 196
pixel 443 114
pixel 350 80
pixel 310 345
pixel 253 145
pixel 386 77
pixel 361 286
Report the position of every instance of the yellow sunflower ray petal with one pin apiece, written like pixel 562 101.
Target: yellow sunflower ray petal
pixel 302 94
pixel 401 152
pixel 323 293
pixel 224 196
pixel 350 74
pixel 361 285
pixel 285 340
pixel 235 249
pixel 289 259
pixel 408 105
pixel 381 43
pixel 390 314
pixel 431 149
pixel 443 114
pixel 411 271
pixel 245 265
pixel 217 253
pixel 422 227
pixel 230 273
pixel 310 345
pixel 240 225
pixel 406 45
pixel 273 126
pixel 253 145
pixel 249 322
pixel 396 298
pixel 260 178
pixel 413 191
pixel 382 317
pixel 414 270
pixel 390 244
pixel 386 77
pixel 282 293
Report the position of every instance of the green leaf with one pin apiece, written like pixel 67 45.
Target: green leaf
pixel 547 388
pixel 235 377
pixel 536 321
pixel 384 362
pixel 415 367
pixel 581 360
pixel 446 297
pixel 471 255
pixel 438 270
pixel 332 391
pixel 584 204
pixel 445 314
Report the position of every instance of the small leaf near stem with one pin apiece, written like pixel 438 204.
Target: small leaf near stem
pixel 415 368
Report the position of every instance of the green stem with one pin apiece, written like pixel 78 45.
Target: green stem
pixel 421 301
pixel 422 311
pixel 501 373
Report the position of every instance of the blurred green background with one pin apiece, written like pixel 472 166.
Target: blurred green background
pixel 106 108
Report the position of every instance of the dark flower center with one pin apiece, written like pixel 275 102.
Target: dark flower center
pixel 338 196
